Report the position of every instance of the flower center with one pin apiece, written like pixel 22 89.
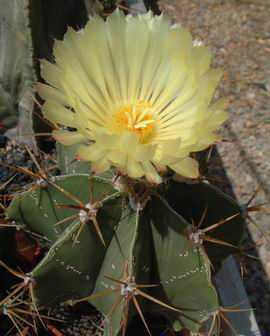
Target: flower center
pixel 136 118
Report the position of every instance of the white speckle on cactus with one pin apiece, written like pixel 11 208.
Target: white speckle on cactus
pixel 145 269
pixel 184 254
pixel 73 269
pixel 34 197
pixel 184 275
pixel 104 284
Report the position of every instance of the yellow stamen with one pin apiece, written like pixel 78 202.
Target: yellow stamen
pixel 136 118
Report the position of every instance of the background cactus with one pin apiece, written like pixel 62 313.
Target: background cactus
pixel 17 76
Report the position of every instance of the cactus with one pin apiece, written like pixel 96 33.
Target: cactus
pixel 126 245
pixel 38 211
pixel 147 260
pixel 152 253
pixel 218 206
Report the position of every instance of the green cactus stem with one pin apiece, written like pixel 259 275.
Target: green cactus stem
pixel 151 248
pixel 73 259
pixel 195 201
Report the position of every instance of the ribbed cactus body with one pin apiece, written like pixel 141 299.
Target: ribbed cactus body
pixel 192 200
pixel 47 211
pixel 152 244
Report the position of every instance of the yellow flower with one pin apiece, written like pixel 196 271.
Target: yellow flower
pixel 137 91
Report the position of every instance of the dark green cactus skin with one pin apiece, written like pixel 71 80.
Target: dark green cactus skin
pixel 183 268
pixel 153 245
pixel 191 200
pixel 118 254
pixel 153 242
pixel 76 264
pixel 38 209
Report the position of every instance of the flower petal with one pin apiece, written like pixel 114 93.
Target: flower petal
pixel 151 173
pixel 68 138
pixel 51 73
pixel 134 169
pixel 186 167
pixel 100 166
pixel 90 153
pixel 201 58
pixel 58 114
pixel 46 92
